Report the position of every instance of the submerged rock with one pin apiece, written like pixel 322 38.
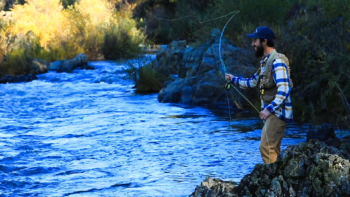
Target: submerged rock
pixel 68 66
pixel 306 169
pixel 18 78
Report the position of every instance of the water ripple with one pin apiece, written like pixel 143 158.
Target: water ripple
pixel 87 133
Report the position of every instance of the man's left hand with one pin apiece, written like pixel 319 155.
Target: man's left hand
pixel 265 114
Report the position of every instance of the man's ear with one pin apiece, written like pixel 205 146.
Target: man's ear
pixel 264 42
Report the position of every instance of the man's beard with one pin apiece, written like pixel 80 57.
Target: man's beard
pixel 259 52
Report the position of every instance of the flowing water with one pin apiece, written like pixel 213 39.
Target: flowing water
pixel 88 133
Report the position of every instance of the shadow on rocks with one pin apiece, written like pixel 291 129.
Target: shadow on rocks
pixel 17 79
pixel 306 169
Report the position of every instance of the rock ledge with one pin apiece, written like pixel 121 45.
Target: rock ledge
pixel 306 169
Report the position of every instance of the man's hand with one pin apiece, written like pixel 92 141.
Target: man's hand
pixel 228 77
pixel 265 114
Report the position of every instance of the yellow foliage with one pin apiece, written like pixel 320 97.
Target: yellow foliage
pixel 99 11
pixel 45 18
pixel 82 28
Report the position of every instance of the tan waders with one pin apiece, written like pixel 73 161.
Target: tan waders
pixel 271 137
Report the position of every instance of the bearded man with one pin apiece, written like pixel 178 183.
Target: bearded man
pixel 273 80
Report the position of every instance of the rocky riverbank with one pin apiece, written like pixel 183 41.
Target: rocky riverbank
pixel 306 169
pixel 40 66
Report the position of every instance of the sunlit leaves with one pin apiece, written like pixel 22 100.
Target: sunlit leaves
pixel 78 28
pixel 44 18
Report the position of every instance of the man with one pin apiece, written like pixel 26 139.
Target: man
pixel 275 85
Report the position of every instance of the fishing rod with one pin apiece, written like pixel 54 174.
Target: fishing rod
pixel 233 13
pixel 228 84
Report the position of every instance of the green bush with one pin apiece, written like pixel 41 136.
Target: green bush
pixel 19 58
pixel 145 78
pixel 121 41
pixel 316 44
pixel 149 80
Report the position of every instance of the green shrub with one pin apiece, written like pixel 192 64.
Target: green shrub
pixel 132 68
pixel 121 41
pixel 149 80
pixel 19 58
pixel 145 78
pixel 316 46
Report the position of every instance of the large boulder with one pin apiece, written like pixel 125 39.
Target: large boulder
pixel 167 61
pixel 201 73
pixel 322 132
pixel 69 65
pixel 306 169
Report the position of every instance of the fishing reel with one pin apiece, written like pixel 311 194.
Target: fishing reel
pixel 228 85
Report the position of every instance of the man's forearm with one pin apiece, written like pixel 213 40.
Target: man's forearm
pixel 245 83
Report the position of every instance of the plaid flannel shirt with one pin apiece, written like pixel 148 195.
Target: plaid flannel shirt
pixel 281 106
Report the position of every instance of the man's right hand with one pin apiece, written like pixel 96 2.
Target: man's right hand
pixel 228 77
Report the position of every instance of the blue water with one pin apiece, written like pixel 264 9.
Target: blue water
pixel 88 133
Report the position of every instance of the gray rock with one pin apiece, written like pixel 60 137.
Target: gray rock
pixel 69 65
pixel 306 169
pixel 40 66
pixel 167 60
pixel 322 132
pixel 201 71
pixel 215 35
pixel 18 78
pixel 54 66
pixel 186 96
pixel 214 187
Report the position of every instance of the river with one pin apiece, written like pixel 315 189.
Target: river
pixel 88 133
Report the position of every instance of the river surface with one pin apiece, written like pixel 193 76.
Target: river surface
pixel 88 133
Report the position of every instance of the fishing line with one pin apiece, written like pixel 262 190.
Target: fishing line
pixel 201 22
pixel 172 20
pixel 228 84
pixel 229 108
pixel 233 13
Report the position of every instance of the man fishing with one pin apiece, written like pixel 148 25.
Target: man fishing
pixel 273 80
